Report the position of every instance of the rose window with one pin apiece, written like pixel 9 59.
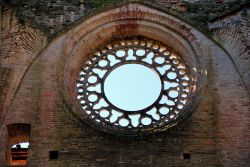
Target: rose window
pixel 134 86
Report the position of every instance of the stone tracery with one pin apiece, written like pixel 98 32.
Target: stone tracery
pixel 173 72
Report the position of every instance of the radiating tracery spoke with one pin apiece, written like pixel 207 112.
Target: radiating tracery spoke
pixel 133 84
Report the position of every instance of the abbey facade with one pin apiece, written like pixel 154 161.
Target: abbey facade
pixel 57 56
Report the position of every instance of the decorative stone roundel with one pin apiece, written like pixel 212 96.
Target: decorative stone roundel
pixel 134 86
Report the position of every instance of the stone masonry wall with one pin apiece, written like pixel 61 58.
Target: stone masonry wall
pixel 173 4
pixel 50 16
pixel 216 134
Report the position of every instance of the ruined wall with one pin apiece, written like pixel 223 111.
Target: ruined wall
pixel 173 4
pixel 20 44
pixel 53 15
pixel 232 33
pixel 33 92
pixel 50 16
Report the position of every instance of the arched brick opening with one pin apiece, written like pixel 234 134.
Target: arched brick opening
pixel 17 133
pixel 215 135
pixel 129 21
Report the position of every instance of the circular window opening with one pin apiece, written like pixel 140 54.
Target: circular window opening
pixel 134 86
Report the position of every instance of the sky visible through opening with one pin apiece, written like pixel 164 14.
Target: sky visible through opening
pixel 132 87
pixel 135 81
pixel 23 145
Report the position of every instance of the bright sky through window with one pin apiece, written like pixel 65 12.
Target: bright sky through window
pixel 23 145
pixel 132 87
pixel 133 84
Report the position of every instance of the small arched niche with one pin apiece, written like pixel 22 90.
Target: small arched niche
pixel 18 144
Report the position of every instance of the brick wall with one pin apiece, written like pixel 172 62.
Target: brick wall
pixel 20 44
pixel 217 133
pixel 232 33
